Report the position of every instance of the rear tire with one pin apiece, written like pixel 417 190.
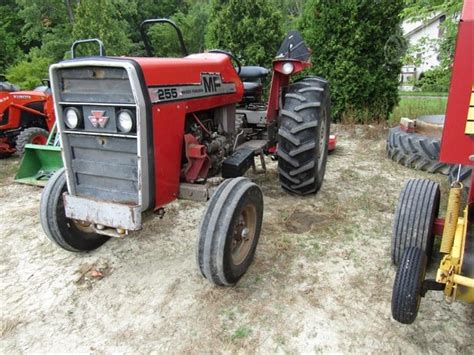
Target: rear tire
pixel 61 230
pixel 417 208
pixel 415 151
pixel 30 135
pixel 303 136
pixel 229 231
pixel 407 288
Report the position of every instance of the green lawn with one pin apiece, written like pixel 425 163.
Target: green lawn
pixel 412 107
pixel 422 93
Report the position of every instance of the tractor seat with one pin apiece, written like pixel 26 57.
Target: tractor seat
pixel 5 86
pixel 251 73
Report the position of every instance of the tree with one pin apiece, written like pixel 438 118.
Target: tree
pixel 29 72
pixel 357 45
pixel 9 40
pixel 193 26
pixel 250 29
pixel 102 19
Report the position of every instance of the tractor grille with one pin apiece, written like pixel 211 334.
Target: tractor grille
pixel 104 167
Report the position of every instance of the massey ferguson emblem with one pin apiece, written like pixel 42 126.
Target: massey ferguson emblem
pixel 98 119
pixel 211 84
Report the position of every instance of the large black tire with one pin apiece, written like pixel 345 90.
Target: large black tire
pixel 229 231
pixel 417 208
pixel 63 231
pixel 303 136
pixel 415 151
pixel 28 136
pixel 407 288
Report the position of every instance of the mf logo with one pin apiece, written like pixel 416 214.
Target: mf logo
pixel 97 119
pixel 212 82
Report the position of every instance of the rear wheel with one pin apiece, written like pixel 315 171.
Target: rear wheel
pixel 407 288
pixel 64 232
pixel 229 231
pixel 303 136
pixel 417 208
pixel 33 135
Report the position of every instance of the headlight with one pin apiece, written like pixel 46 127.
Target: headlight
pixel 288 68
pixel 72 117
pixel 125 121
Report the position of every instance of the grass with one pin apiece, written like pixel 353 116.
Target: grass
pixel 412 107
pixel 422 93
pixel 241 332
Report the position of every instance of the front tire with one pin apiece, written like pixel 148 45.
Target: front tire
pixel 32 135
pixel 407 288
pixel 229 231
pixel 303 136
pixel 417 208
pixel 64 232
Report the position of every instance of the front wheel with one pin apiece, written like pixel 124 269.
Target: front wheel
pixel 303 136
pixel 32 135
pixel 68 234
pixel 407 288
pixel 229 231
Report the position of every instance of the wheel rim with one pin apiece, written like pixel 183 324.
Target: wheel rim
pixel 322 141
pixel 243 234
pixel 38 139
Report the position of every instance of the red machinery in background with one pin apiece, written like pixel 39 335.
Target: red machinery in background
pixel 416 217
pixel 25 117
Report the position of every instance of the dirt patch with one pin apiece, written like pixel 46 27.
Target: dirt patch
pixel 321 280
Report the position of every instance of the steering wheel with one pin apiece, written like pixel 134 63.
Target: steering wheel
pixel 233 57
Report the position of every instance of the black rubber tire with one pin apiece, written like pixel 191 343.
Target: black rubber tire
pixel 407 288
pixel 5 155
pixel 464 177
pixel 417 208
pixel 26 136
pixel 58 228
pixel 213 250
pixel 301 160
pixel 415 151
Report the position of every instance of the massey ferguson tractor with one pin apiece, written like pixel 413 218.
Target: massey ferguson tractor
pixel 25 117
pixel 416 216
pixel 138 133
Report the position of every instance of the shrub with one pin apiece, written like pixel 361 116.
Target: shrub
pixel 357 45
pixel 434 80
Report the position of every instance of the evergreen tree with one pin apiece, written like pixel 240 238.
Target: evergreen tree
pixel 250 29
pixel 102 19
pixel 357 45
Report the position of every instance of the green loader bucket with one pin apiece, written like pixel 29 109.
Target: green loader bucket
pixel 38 164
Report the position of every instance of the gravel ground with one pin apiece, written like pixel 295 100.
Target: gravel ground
pixel 321 280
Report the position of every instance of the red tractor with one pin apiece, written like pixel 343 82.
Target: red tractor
pixel 417 218
pixel 25 117
pixel 138 133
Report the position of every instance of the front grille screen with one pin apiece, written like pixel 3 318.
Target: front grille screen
pixel 95 84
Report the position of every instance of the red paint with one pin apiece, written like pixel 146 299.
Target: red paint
pixel 198 164
pixel 438 226
pixel 15 103
pixel 5 148
pixel 279 81
pixel 332 142
pixel 39 139
pixel 456 146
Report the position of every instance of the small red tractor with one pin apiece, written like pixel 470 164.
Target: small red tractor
pixel 138 133
pixel 25 117
pixel 416 216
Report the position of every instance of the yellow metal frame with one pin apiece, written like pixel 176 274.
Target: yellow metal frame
pixel 449 272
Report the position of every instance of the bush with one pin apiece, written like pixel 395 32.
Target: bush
pixel 434 80
pixel 29 72
pixel 357 45
pixel 250 29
